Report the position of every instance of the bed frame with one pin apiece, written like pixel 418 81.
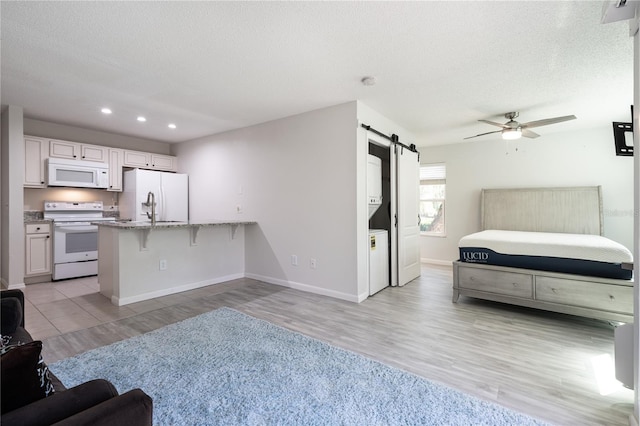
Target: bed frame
pixel 575 210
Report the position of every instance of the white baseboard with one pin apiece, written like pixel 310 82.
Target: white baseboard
pixel 306 287
pixel 436 261
pixel 121 301
pixel 8 286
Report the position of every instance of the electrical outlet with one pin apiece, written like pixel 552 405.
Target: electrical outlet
pixel 163 265
pixel 294 260
pixel 313 263
pixel 239 209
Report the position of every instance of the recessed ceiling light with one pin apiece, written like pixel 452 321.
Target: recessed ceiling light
pixel 105 111
pixel 172 126
pixel 142 119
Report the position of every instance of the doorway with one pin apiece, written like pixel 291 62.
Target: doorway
pixel 398 213
pixel 381 219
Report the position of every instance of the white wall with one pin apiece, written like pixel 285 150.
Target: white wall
pixel 34 198
pixel 297 178
pixel 557 159
pixel 12 158
pixel 636 232
pixel 77 134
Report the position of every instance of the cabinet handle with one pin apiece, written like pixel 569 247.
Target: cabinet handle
pixel 83 156
pixel 48 236
pixel 38 228
pixel 75 156
pixel 42 182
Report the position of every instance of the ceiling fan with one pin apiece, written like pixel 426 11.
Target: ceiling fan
pixel 514 130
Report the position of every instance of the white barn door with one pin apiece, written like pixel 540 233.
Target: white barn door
pixel 408 224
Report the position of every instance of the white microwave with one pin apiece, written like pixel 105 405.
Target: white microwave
pixel 77 173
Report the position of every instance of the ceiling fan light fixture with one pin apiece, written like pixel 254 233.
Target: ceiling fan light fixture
pixel 512 134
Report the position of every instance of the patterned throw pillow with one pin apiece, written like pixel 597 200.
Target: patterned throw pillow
pixel 24 376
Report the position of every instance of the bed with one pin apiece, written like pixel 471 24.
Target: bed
pixel 543 248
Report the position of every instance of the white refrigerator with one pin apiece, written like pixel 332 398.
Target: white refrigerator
pixel 170 190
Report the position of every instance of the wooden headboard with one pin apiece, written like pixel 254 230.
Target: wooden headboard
pixel 572 210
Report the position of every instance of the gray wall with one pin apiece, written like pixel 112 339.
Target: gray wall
pixel 297 178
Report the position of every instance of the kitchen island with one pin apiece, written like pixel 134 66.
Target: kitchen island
pixel 139 261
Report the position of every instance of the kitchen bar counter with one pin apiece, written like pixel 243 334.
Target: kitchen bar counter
pixel 126 224
pixel 146 227
pixel 138 261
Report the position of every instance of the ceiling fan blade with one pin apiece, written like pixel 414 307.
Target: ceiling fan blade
pixel 493 123
pixel 547 121
pixel 482 134
pixel 529 134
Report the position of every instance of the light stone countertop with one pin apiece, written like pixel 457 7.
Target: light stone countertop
pixel 35 221
pixel 147 225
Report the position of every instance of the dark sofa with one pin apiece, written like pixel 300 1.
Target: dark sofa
pixel 96 402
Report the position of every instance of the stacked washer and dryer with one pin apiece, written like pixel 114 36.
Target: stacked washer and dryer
pixel 378 238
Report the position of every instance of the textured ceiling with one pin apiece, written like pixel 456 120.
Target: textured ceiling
pixel 216 66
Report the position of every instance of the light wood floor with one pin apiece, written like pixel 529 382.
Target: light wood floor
pixel 535 362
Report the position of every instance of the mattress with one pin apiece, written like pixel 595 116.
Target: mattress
pixel 581 254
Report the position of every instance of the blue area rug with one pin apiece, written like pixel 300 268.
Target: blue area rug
pixel 227 368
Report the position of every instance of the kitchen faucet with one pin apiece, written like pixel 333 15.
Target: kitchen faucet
pixel 151 201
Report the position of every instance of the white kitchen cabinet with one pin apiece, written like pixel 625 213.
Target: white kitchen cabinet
pixel 136 159
pixel 63 149
pixel 38 249
pixel 164 162
pixel 77 151
pixel 36 151
pixel 151 161
pixel 115 169
pixel 94 153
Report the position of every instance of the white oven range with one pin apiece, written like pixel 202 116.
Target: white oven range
pixel 75 238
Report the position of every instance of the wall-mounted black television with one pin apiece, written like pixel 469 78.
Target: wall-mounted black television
pixel 623 137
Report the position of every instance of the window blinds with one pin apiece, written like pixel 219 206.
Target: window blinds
pixel 433 172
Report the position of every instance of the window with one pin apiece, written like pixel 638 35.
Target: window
pixel 432 198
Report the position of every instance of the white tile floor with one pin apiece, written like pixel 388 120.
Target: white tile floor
pixel 54 308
